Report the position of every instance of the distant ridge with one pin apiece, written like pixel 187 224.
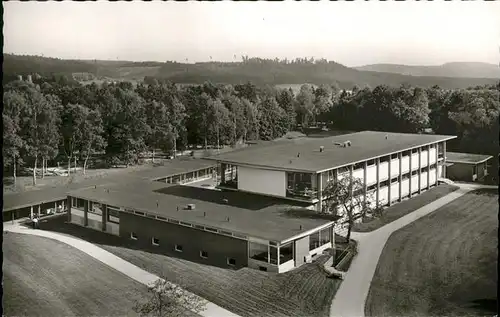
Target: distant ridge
pixel 455 69
pixel 256 70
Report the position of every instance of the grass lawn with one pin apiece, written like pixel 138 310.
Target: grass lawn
pixel 305 291
pixel 444 264
pixel 405 207
pixel 43 277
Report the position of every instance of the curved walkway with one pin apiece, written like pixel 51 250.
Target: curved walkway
pixel 113 261
pixel 350 299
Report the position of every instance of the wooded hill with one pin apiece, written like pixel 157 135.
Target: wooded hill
pixel 256 70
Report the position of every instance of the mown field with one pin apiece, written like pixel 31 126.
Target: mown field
pixel 444 264
pixel 247 292
pixel 43 277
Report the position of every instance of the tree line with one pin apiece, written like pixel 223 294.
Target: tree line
pixel 53 118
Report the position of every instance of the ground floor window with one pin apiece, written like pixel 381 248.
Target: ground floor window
pixel 231 261
pixel 273 255
pixel 155 241
pixel 204 254
pixel 286 253
pixel 113 215
pixel 178 248
pixel 314 241
pixel 133 236
pixel 325 236
pixel 258 251
pixel 77 203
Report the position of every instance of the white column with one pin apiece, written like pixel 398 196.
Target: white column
pixel 409 183
pixel 436 164
pixel 419 170
pixel 31 212
pixel 428 167
pixel 365 181
pixel 444 159
pixel 400 158
pixel 390 183
pixel 377 162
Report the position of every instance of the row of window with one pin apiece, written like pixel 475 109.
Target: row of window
pixel 179 248
pixel 396 178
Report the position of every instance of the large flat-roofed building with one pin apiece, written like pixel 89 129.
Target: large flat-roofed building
pixel 392 166
pixel 228 229
pixel 467 167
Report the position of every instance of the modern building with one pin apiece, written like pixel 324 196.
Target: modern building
pixel 392 166
pixel 467 167
pixel 227 229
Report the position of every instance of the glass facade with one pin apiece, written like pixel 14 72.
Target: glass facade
pixel 286 253
pixel 301 185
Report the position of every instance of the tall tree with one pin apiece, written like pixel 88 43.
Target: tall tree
pixel 91 131
pixel 286 100
pixel 13 103
pixel 345 197
pixel 305 104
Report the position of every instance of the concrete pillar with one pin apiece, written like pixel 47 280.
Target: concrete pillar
pixel 428 167
pixel 444 159
pixel 85 212
pixel 319 185
pixel 419 170
pixel 390 182
pixel 436 164
pixel 278 255
pixel 400 158
pixel 377 163
pixel 31 212
pixel 365 181
pixel 410 189
pixel 39 210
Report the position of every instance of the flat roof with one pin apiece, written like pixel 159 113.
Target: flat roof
pixel 12 201
pixel 174 167
pixel 43 195
pixel 282 155
pixel 251 215
pixel 466 158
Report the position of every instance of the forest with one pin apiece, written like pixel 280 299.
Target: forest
pixel 54 118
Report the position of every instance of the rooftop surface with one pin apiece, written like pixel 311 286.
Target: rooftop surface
pixel 174 167
pixel 251 215
pixel 303 154
pixel 49 194
pixel 467 158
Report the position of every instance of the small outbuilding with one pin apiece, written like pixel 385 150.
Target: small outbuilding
pixel 467 167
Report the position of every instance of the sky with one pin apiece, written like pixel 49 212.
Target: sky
pixel 351 33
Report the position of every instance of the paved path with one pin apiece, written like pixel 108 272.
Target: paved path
pixel 113 261
pixel 350 299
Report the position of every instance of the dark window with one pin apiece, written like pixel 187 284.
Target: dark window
pixel 133 236
pixel 406 153
pixel 413 151
pixel 225 232
pixel 178 248
pixel 413 173
pixel 370 162
pixel 161 218
pixel 113 215
pixel 358 166
pixel 394 180
pixel 384 159
pixel 155 241
pixel 394 156
pixel 371 187
pixel 199 227
pixel 231 261
pixel 384 183
pixel 210 229
pixel 186 224
pixel 204 254
pixel 139 213
pixel 263 268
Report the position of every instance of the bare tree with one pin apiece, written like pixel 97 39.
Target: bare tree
pixel 346 197
pixel 170 300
